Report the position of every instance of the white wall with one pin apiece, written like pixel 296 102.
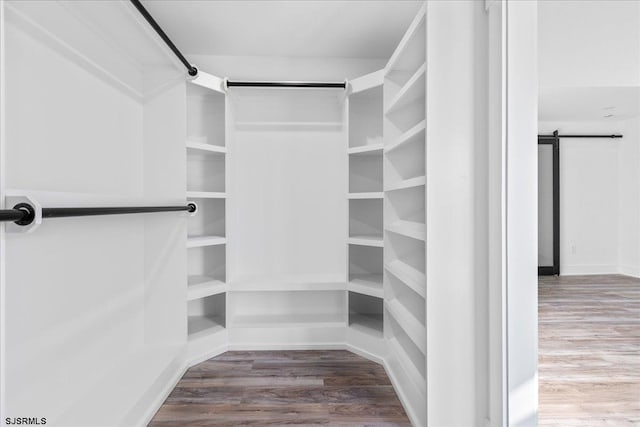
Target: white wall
pixel 522 213
pixel 589 43
pixel 599 186
pixel 84 313
pixel 457 214
pixel 629 199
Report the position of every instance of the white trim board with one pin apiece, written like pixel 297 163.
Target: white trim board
pixel 587 269
pixel 629 270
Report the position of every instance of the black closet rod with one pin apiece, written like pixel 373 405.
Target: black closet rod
pixel 578 136
pixel 193 71
pixel 24 213
pixel 236 83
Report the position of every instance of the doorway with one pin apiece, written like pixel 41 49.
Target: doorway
pixel 549 205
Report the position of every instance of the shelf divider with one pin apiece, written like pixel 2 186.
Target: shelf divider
pixel 414 279
pixel 367 195
pixel 418 181
pixel 414 230
pixel 373 149
pixel 412 327
pixel 412 90
pixel 204 286
pixel 411 135
pixel 200 241
pixel 375 241
pixel 210 148
pixel 367 284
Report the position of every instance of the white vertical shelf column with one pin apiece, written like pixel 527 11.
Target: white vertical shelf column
pixel 207 181
pixel 365 231
pixel 404 218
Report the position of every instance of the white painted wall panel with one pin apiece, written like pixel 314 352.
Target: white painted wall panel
pixel 289 189
pixel 629 202
pixel 589 43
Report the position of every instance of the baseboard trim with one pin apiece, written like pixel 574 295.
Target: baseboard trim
pixel 367 355
pixel 202 357
pixel 162 395
pixel 588 269
pixel 408 408
pixel 628 270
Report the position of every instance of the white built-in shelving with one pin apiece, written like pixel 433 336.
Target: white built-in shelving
pixel 362 240
pixel 201 241
pixel 287 283
pixel 206 185
pixel 204 147
pixel 405 233
pixel 366 194
pixel 366 150
pixel 366 284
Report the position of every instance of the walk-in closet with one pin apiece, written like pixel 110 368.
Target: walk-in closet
pixel 165 205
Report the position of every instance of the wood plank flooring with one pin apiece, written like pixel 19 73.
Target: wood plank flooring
pixel 589 351
pixel 277 388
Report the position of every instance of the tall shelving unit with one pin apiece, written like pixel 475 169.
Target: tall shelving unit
pixel 287 260
pixel 206 236
pixel 404 217
pixel 365 241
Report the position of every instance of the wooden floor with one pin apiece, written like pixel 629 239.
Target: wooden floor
pixel 589 351
pixel 276 388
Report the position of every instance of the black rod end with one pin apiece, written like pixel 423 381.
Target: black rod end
pixel 29 213
pixel 193 71
pixel 192 207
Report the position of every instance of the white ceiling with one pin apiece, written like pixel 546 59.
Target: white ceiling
pixel 557 103
pixel 300 28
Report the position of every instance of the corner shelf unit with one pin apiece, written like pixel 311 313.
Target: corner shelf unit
pixel 405 231
pixel 366 193
pixel 206 155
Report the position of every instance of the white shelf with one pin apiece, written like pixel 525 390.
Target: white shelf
pixel 205 195
pixel 204 326
pixel 208 148
pixel 408 183
pixel 367 284
pixel 289 321
pixel 416 28
pixel 312 125
pixel 370 324
pixel 414 230
pixel 366 150
pixel 283 284
pixel 412 90
pixel 412 327
pixel 209 81
pixel 414 279
pixel 204 286
pixel 199 241
pixel 367 82
pixel 375 241
pixel 369 195
pixel 415 134
pixel 408 365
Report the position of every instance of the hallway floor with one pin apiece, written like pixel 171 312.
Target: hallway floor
pixel 589 351
pixel 276 388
